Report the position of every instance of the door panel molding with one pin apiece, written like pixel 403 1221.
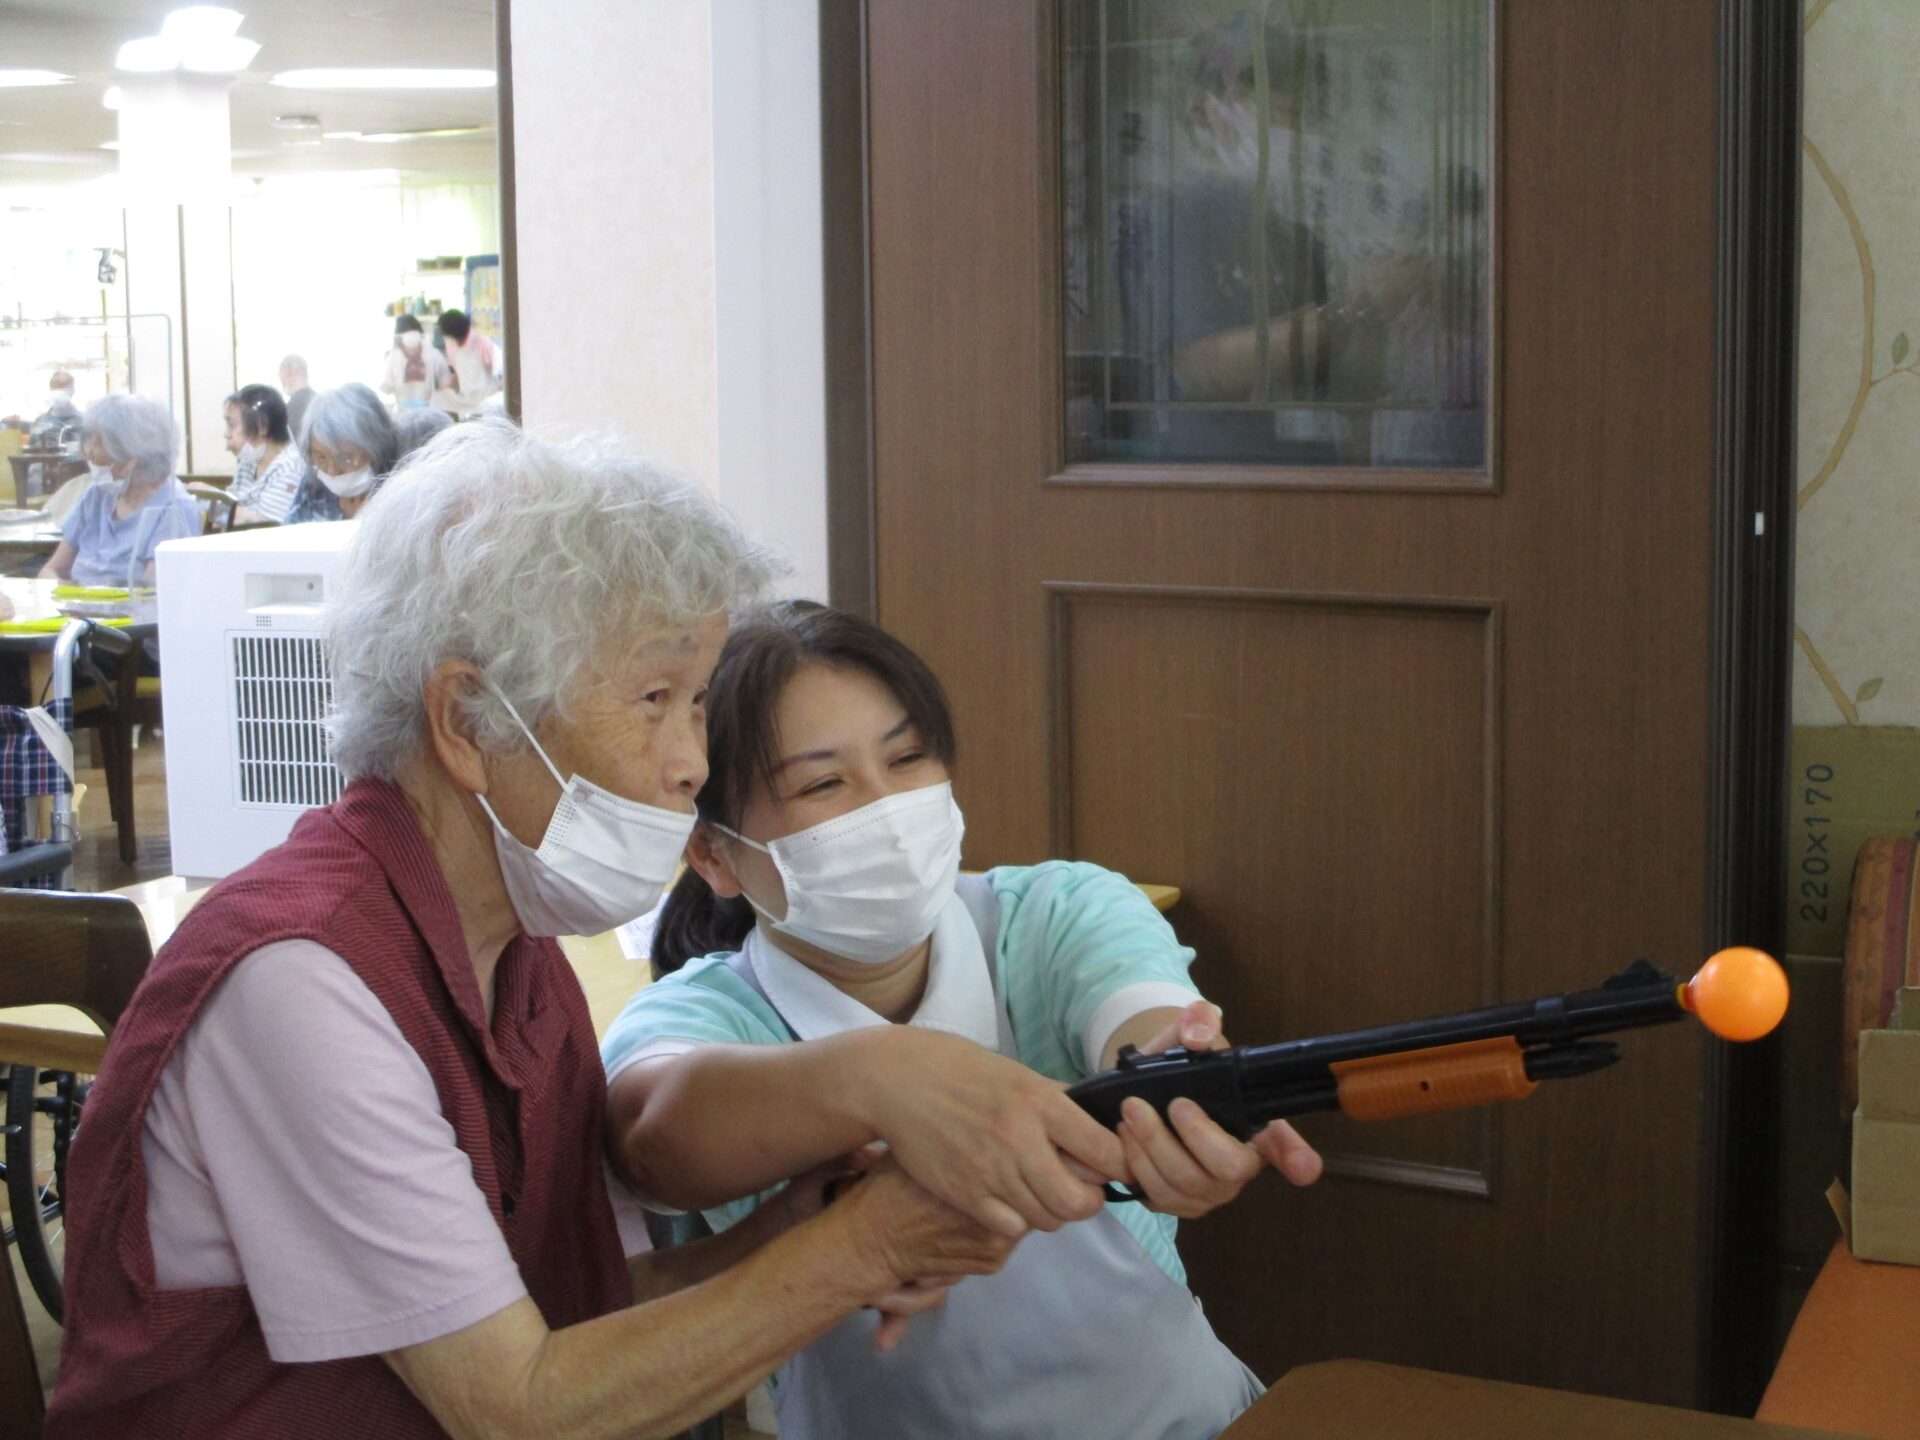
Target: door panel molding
pixel 1472 1138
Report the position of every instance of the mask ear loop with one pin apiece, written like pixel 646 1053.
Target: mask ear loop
pixel 526 730
pixel 765 850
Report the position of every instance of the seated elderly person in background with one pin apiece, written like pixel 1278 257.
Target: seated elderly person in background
pixel 270 468
pixel 135 502
pixel 415 428
pixel 343 1168
pixel 350 446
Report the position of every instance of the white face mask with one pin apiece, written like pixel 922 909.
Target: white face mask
pixel 411 339
pixel 100 474
pixel 354 482
pixel 604 860
pixel 252 452
pixel 869 884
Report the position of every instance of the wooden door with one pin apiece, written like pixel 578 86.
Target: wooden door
pixel 1414 729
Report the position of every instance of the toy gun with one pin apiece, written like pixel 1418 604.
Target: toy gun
pixel 1447 1063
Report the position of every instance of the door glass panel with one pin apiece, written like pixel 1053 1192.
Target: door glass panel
pixel 1276 230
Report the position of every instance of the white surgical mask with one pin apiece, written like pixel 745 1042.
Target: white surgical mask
pixel 604 860
pixel 870 884
pixel 354 482
pixel 411 339
pixel 100 474
pixel 252 452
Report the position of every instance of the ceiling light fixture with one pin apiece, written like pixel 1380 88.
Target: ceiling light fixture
pixel 25 79
pixel 376 79
pixel 398 137
pixel 199 38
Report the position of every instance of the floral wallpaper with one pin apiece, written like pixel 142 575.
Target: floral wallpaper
pixel 1857 604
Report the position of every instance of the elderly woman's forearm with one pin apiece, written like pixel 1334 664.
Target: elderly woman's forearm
pixel 657 1274
pixel 724 1121
pixel 647 1372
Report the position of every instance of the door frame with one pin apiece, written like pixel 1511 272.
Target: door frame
pixel 1756 304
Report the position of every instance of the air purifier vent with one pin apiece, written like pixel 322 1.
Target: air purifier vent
pixel 280 696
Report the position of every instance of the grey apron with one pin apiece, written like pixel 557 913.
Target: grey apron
pixel 1081 1337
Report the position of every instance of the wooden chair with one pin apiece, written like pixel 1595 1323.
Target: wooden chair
pixel 87 951
pixel 220 507
pixel 134 700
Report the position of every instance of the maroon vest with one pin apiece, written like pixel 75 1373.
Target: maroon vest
pixel 525 1098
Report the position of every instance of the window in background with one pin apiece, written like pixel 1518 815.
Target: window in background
pixel 1276 232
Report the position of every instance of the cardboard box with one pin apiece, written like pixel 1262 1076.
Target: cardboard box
pixel 1886 1139
pixel 1848 782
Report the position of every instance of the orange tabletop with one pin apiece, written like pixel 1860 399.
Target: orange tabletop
pixel 1852 1362
pixel 1362 1400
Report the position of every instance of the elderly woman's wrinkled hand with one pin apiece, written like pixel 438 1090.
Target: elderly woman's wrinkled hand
pixel 916 1243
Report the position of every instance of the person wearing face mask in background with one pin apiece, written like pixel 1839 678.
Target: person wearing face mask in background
pixel 269 468
pixel 828 979
pixel 349 1175
pixel 350 446
pixel 58 418
pixel 415 370
pixel 134 503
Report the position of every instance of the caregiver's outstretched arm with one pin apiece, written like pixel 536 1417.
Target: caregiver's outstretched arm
pixel 984 1133
pixel 657 1368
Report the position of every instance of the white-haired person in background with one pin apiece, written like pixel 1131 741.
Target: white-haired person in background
pixel 344 1165
pixel 135 503
pixel 351 446
pixel 415 428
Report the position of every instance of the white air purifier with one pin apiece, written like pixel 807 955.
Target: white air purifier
pixel 245 688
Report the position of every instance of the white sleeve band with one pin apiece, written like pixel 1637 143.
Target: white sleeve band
pixel 1125 1003
pixel 661 1049
pixel 664 1048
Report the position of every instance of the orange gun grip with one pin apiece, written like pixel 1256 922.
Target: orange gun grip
pixel 1446 1077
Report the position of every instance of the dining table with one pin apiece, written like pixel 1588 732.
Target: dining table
pixel 28 539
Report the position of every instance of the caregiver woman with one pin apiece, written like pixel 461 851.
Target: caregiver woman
pixel 343 1171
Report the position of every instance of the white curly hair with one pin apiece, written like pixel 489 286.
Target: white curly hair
pixel 531 559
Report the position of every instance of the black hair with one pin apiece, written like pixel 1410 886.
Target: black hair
pixel 406 324
pixel 743 743
pixel 455 325
pixel 263 414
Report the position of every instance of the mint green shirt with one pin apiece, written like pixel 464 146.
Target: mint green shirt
pixel 1072 942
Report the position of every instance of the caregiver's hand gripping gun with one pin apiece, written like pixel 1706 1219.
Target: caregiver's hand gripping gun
pixel 1446 1063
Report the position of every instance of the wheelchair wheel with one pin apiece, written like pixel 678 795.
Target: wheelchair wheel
pixel 42 1113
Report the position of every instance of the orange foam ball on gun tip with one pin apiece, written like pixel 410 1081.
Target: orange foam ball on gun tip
pixel 1739 994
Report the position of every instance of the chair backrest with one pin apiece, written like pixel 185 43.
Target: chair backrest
pixel 220 507
pixel 87 951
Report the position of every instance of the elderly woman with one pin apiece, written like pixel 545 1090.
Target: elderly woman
pixel 135 503
pixel 350 446
pixel 344 1166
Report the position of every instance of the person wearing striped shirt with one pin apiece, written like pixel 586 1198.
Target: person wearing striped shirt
pixel 267 473
pixel 829 981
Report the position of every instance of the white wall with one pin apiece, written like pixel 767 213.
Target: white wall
pixel 769 313
pixel 666 161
